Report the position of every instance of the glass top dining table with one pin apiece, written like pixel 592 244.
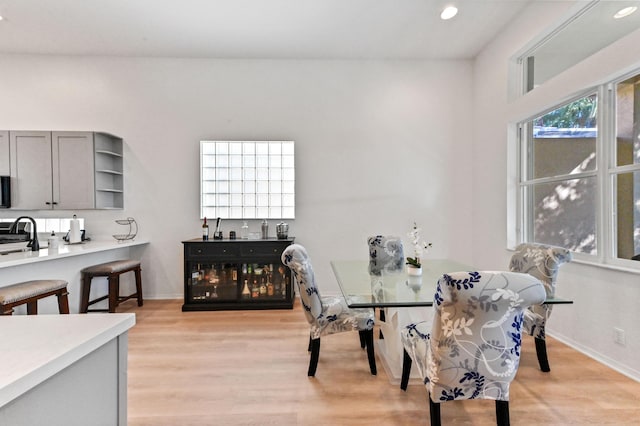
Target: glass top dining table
pixel 396 289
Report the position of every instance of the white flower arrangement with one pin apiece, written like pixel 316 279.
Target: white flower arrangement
pixel 420 247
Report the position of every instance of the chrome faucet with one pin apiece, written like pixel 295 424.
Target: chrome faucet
pixel 34 244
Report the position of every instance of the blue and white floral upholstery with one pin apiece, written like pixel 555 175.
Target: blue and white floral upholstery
pixel 543 262
pixel 385 254
pixel 471 350
pixel 326 315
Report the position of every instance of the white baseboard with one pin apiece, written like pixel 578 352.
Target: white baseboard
pixel 603 359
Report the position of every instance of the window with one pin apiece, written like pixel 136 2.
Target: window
pixel 593 27
pixel 579 175
pixel 625 174
pixel 247 180
pixel 559 176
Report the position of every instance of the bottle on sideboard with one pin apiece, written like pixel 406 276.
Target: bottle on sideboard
pixel 255 289
pixel 244 231
pixel 270 286
pixel 205 230
pixel 276 284
pixel 246 293
pixel 263 287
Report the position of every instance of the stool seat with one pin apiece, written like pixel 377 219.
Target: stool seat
pixel 115 267
pixel 111 270
pixel 29 292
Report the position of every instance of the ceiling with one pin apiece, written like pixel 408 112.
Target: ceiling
pixel 283 29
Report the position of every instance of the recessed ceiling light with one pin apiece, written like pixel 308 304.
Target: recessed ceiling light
pixel 449 12
pixel 625 12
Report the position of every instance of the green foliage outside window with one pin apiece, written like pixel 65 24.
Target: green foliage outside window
pixel 577 114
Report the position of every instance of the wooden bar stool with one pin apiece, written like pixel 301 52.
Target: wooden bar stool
pixel 111 270
pixel 29 292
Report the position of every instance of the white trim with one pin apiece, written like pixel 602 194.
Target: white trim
pixel 603 359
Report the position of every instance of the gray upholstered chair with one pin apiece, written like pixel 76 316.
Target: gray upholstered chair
pixel 543 262
pixel 386 254
pixel 326 315
pixel 471 350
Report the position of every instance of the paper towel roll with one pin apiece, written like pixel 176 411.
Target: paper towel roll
pixel 74 231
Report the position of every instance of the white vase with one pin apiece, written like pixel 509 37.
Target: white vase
pixel 413 271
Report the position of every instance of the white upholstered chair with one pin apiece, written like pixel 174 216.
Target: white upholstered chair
pixel 471 350
pixel 326 315
pixel 386 254
pixel 543 262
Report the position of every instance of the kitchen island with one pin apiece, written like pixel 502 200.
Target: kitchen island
pixel 65 263
pixel 64 369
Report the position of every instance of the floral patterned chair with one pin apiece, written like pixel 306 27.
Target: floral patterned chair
pixel 543 262
pixel 471 350
pixel 386 254
pixel 326 315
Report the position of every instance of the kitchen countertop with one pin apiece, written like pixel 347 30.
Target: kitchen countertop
pixel 65 250
pixel 36 347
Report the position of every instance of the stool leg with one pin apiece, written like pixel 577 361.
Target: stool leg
pixel 7 310
pixel 32 308
pixel 114 291
pixel 63 301
pixel 86 290
pixel 139 285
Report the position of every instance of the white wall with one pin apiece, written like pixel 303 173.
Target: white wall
pixel 604 298
pixel 378 144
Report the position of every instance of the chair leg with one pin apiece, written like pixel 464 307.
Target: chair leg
pixel 541 351
pixel 32 307
pixel 86 290
pixel 406 370
pixel 383 318
pixel 502 413
pixel 368 336
pixel 309 347
pixel 63 302
pixel 434 412
pixel 315 355
pixel 114 292
pixel 363 341
pixel 139 286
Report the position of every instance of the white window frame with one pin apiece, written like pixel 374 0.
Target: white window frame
pixel 606 170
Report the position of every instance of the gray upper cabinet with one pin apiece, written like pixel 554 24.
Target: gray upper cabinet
pixel 56 170
pixel 31 170
pixel 73 180
pixel 5 169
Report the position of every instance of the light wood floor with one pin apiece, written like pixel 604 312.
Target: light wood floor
pixel 249 368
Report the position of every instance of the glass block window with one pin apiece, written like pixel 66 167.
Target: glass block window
pixel 247 179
